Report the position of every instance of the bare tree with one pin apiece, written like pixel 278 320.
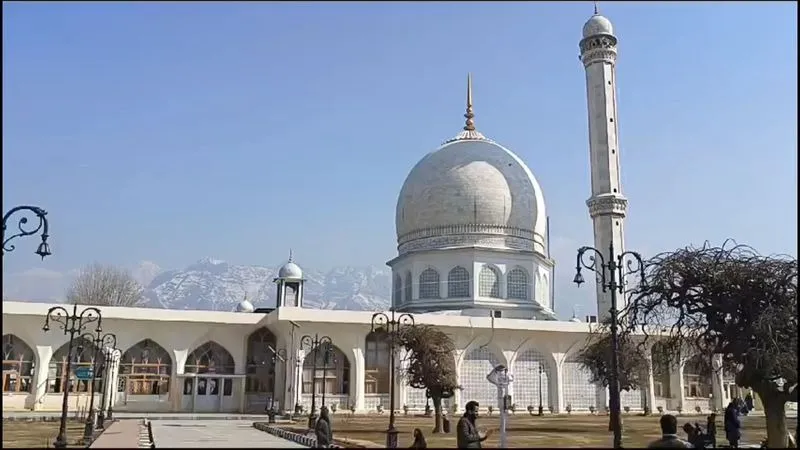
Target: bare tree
pixel 105 285
pixel 631 359
pixel 430 364
pixel 727 301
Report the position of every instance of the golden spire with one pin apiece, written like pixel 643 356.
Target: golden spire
pixel 470 125
pixel 469 133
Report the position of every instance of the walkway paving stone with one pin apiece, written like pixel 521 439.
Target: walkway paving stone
pixel 120 434
pixel 214 433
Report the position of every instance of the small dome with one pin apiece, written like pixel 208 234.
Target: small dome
pixel 245 307
pixel 597 24
pixel 290 270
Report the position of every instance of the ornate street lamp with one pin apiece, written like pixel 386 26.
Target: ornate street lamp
pixel 277 355
pixel 44 248
pixel 108 348
pixel 614 282
pixel 312 345
pixel 328 359
pixel 391 324
pixel 541 406
pixel 97 340
pixel 71 324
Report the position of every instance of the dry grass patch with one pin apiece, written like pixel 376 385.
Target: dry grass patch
pixel 524 430
pixel 39 434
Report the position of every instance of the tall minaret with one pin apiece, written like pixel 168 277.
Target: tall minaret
pixel 607 205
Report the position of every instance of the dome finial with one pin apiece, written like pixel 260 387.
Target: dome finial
pixel 470 125
pixel 290 255
pixel 596 7
pixel 469 133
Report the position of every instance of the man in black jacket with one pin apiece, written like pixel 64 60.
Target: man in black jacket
pixel 467 434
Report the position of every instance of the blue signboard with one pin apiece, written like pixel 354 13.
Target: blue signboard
pixel 84 373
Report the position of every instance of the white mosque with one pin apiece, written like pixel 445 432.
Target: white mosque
pixel 473 259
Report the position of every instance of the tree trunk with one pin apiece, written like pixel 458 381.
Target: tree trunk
pixel 775 416
pixel 437 409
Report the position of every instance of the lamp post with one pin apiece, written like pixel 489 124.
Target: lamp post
pixel 277 355
pixel 97 341
pixel 311 345
pixel 328 358
pixel 44 248
pixel 72 324
pixel 541 406
pixel 391 324
pixel 500 377
pixel 614 282
pixel 109 346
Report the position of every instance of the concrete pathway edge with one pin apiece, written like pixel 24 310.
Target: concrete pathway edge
pixel 307 441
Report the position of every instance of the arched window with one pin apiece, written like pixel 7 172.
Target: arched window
pixel 146 368
pixel 489 282
pixel 458 283
pixel 408 287
pixel 397 290
pixel 517 284
pixel 209 358
pixel 83 354
pixel 333 371
pixel 429 284
pixel 376 363
pixel 17 365
pixel 697 374
pixel 261 362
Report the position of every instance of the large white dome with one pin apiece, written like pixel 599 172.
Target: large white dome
pixel 471 192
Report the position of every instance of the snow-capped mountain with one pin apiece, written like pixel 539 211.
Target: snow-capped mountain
pixel 217 285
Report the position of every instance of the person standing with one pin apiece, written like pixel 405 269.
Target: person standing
pixel 732 424
pixel 419 439
pixel 669 434
pixel 467 434
pixel 323 429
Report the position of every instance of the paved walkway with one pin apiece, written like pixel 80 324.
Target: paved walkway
pixel 214 433
pixel 120 434
pixel 142 415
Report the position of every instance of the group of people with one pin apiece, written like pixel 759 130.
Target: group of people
pixel 695 436
pixel 468 435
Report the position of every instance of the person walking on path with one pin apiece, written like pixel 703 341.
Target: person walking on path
pixel 669 434
pixel 323 429
pixel 732 424
pixel 467 434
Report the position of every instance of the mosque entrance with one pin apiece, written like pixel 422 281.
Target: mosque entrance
pixel 207 394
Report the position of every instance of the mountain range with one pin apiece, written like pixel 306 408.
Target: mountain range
pixel 212 284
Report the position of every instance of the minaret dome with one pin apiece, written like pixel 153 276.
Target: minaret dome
pixel 597 25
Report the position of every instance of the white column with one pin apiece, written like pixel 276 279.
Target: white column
pixel 650 391
pixel 358 378
pixel 718 400
pixel 676 387
pixel 557 384
pixel 116 358
pixel 402 384
pixel 44 354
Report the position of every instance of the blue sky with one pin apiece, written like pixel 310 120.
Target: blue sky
pixel 172 131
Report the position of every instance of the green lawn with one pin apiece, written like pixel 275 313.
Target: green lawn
pixel 524 430
pixel 39 434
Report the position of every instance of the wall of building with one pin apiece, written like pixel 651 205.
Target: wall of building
pixel 533 350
